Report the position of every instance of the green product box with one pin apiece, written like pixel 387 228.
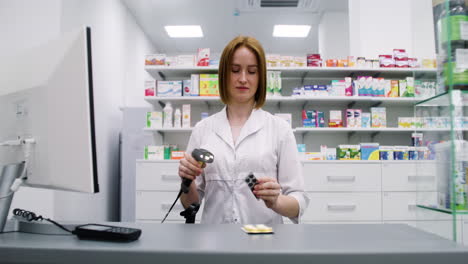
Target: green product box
pixel 348 152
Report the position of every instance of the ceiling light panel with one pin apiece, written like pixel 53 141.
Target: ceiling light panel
pixel 184 31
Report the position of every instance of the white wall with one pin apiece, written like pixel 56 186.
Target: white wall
pixel 118 48
pixel 25 24
pixel 333 35
pixel 379 26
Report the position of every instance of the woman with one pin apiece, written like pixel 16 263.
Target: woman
pixel 244 139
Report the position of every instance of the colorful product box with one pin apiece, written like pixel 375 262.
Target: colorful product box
pixel 313 156
pixel 320 119
pixel 378 117
pixel 405 122
pixel 400 54
pixel 400 153
pixel 278 83
pixel 154 119
pixel 402 88
pixel 186 88
pixel 169 88
pixel 286 61
pixel 155 59
pixel 394 89
pixel 203 57
pixel 309 118
pixel 348 152
pixel 186 116
pixel 386 153
pixel 370 151
pixel 409 87
pixel 357 118
pixel 177 154
pixel 386 61
pixel 150 88
pixel 348 86
pixel 401 63
pixel 300 61
pixel 154 153
pixel 335 119
pixel 273 60
pixel 195 82
pixel 366 120
pixel 350 122
pixel 209 85
pixel 342 63
pixel 314 60
pixel 351 61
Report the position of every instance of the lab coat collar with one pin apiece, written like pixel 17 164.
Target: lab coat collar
pixel 254 123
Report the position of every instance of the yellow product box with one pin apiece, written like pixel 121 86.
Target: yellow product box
pixel 209 85
pixel 286 61
pixel 394 89
pixel 273 60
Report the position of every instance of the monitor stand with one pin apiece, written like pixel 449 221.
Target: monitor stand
pixel 8 175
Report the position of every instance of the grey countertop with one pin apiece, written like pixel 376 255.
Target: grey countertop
pixel 180 243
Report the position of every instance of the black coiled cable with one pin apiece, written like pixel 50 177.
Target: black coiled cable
pixel 31 216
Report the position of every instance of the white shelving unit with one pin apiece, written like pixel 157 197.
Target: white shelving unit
pixel 380 191
pixel 292 99
pixel 169 71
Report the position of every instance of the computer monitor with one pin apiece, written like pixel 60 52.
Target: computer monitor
pixel 46 94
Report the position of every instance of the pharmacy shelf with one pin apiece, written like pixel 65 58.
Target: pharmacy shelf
pixel 321 161
pixel 300 130
pixel 371 130
pixel 157 161
pixel 168 130
pixel 301 100
pixel 302 72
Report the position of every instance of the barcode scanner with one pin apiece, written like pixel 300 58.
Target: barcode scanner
pixel 202 156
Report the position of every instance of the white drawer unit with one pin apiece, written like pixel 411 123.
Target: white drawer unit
pixel 408 176
pixel 399 206
pixel 344 207
pixel 157 176
pixel 344 177
pixel 154 206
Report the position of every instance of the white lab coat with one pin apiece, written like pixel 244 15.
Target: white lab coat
pixel 266 147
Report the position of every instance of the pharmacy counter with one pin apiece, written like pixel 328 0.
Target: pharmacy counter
pixel 179 243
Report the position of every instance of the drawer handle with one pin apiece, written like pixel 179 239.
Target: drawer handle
pixel 341 178
pixel 412 207
pixel 341 207
pixel 420 178
pixel 170 177
pixel 166 206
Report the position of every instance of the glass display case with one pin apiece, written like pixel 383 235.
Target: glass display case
pixel 442 194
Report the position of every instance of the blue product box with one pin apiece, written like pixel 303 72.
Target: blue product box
pixel 308 90
pixel 370 151
pixel 308 123
pixel 301 147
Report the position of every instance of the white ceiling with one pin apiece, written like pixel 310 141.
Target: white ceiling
pixel 222 20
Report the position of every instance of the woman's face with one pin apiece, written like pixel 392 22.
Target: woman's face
pixel 243 81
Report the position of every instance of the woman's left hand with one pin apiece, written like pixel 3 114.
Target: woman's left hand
pixel 267 189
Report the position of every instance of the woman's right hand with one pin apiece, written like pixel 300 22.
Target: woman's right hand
pixel 189 168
